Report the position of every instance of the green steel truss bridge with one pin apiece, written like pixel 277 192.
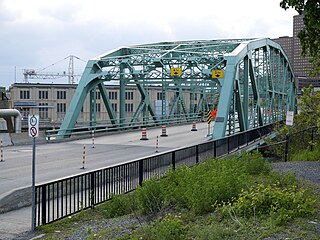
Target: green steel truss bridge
pixel 249 81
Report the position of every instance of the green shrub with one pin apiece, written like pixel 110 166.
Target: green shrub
pixel 215 231
pixel 174 185
pixel 255 164
pixel 170 227
pixel 281 204
pixel 119 205
pixel 150 196
pixel 196 188
pixel 284 181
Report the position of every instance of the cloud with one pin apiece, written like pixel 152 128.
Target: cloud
pixel 37 33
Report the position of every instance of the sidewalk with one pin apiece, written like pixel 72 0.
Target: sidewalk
pixel 16 224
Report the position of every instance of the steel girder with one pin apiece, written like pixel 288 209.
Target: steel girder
pixel 254 72
pixel 258 87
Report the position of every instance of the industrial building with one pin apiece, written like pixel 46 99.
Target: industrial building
pixel 51 101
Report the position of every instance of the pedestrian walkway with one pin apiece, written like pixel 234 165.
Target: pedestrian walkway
pixel 16 224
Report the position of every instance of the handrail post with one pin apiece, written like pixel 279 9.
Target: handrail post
pixel 92 190
pixel 228 145
pixel 140 172
pixel 197 153
pixel 173 160
pixel 43 205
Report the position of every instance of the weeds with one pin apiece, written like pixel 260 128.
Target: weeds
pixel 240 196
pixel 306 155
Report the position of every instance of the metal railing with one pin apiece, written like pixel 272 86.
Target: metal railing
pixel 64 197
pixel 124 124
pixel 284 146
pixel 301 140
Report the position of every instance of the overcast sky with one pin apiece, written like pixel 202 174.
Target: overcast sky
pixel 35 34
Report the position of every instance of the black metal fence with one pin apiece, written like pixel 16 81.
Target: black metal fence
pixel 305 139
pixel 64 197
pixel 285 147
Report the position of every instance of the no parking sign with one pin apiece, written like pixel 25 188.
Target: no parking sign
pixel 33 125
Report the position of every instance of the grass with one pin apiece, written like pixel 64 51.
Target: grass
pixel 233 198
pixel 306 155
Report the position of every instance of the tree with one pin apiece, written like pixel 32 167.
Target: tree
pixel 309 114
pixel 310 35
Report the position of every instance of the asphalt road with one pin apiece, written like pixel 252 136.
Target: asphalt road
pixel 57 160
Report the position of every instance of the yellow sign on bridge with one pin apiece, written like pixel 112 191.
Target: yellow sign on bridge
pixel 217 73
pixel 175 72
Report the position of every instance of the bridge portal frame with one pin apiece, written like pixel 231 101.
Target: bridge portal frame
pixel 262 91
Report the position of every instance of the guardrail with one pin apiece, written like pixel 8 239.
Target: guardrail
pixel 85 128
pixel 64 197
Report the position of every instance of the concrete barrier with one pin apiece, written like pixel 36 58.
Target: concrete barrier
pixel 17 198
pixel 6 139
pixel 23 138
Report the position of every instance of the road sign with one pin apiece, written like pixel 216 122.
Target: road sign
pixel 289 118
pixel 217 73
pixel 33 125
pixel 175 72
pixel 209 116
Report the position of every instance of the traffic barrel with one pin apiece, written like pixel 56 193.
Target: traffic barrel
pixel 144 134
pixel 194 127
pixel 164 131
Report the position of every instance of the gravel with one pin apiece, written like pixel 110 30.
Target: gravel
pixel 304 170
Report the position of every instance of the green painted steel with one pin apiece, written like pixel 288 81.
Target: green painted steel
pixel 257 87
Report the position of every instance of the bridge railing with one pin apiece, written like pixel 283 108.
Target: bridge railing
pixel 67 196
pixel 305 139
pixel 85 128
pixel 287 147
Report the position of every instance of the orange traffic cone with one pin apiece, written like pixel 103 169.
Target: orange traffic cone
pixel 194 127
pixel 144 134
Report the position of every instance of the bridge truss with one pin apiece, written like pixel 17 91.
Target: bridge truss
pixel 249 81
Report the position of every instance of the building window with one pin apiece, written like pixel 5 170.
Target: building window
pixel 43 94
pixel 114 106
pixel 128 107
pixel 24 94
pixel 61 95
pixel 98 95
pixel 24 112
pixel 159 95
pixel 113 95
pixel 43 111
pixel 61 107
pixel 98 107
pixel 129 95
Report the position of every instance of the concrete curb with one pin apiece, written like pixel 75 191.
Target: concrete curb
pixel 17 198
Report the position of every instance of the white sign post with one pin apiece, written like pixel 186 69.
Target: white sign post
pixel 289 122
pixel 289 118
pixel 33 129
